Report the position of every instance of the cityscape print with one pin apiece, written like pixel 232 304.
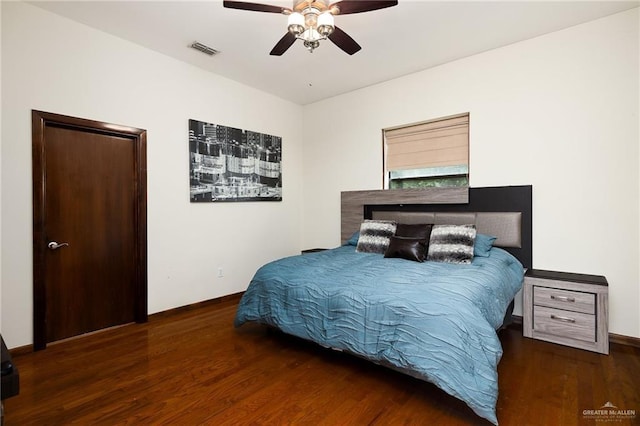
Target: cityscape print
pixel 229 164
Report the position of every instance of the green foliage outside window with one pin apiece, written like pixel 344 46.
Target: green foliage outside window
pixel 429 182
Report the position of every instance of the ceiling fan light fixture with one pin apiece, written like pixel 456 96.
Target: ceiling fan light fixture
pixel 311 44
pixel 312 21
pixel 311 17
pixel 325 24
pixel 310 26
pixel 296 23
pixel 310 34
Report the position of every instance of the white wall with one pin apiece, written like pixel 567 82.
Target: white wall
pixel 53 64
pixel 559 112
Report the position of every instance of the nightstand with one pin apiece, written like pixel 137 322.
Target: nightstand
pixel 313 250
pixel 569 309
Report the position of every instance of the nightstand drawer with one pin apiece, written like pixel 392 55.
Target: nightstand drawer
pixel 564 323
pixel 564 299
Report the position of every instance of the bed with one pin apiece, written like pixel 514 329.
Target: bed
pixel 433 320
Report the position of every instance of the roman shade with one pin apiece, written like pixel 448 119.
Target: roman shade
pixel 437 143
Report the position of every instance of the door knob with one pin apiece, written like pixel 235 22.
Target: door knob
pixel 54 246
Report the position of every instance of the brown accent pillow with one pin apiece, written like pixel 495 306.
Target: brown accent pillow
pixel 407 248
pixel 420 231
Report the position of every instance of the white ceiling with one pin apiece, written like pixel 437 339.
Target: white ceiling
pixel 412 36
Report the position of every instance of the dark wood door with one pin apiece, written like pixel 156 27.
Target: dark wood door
pixel 89 226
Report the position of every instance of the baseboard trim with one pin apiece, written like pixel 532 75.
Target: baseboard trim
pixel 516 319
pixel 232 299
pixel 21 350
pixel 624 340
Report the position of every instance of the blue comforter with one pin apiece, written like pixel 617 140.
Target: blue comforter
pixel 434 321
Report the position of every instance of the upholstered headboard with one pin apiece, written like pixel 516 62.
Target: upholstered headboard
pixel 506 226
pixel 503 212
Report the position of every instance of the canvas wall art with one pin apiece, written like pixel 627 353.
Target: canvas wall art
pixel 229 164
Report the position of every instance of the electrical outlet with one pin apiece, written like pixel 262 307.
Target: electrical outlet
pixel 220 272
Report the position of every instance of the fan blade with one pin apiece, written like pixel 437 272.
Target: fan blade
pixel 285 43
pixel 344 41
pixel 255 7
pixel 358 6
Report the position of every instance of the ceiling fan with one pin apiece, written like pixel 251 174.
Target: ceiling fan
pixel 312 21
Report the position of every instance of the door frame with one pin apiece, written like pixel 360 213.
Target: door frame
pixel 39 121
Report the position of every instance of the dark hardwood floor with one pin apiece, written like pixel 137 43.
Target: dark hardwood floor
pixel 192 367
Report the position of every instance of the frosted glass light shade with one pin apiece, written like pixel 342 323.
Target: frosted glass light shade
pixel 296 23
pixel 325 23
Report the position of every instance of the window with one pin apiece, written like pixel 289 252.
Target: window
pixel 434 153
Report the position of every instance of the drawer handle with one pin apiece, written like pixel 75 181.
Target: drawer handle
pixel 561 318
pixel 563 298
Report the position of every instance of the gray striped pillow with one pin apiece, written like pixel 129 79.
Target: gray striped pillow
pixel 452 243
pixel 375 236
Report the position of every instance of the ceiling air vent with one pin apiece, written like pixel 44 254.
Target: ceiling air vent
pixel 204 49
